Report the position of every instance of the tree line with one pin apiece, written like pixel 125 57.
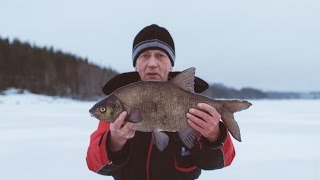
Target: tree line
pixel 43 70
pixel 223 92
pixel 48 71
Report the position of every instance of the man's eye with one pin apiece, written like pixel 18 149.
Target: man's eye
pixel 162 55
pixel 145 55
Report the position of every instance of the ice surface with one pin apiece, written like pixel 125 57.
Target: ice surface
pixel 45 137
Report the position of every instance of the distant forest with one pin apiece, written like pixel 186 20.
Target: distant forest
pixel 48 71
pixel 43 70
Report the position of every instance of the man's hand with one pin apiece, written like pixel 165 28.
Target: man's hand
pixel 120 132
pixel 205 121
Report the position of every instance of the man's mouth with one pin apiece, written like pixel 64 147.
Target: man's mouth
pixel 154 76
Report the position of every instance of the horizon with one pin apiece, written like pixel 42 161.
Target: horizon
pixel 270 46
pixel 95 63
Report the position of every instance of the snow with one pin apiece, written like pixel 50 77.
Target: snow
pixel 45 137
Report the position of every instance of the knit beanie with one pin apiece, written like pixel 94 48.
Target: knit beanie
pixel 153 37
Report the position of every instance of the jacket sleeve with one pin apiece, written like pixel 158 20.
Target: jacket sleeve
pixel 99 159
pixel 216 155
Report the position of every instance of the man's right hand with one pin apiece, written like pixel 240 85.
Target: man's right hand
pixel 120 132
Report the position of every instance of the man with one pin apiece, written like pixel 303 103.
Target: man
pixel 116 149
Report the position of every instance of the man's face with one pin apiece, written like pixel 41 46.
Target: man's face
pixel 153 65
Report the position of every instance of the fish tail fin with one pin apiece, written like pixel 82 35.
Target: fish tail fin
pixel 230 107
pixel 235 106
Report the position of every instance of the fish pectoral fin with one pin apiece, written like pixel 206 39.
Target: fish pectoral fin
pixel 188 136
pixel 185 80
pixel 160 139
pixel 134 116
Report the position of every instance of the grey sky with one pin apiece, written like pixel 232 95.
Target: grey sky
pixel 270 44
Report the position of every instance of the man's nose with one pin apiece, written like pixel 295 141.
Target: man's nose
pixel 152 62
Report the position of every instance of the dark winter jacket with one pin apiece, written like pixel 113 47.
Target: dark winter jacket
pixel 140 159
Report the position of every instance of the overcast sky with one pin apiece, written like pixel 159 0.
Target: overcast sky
pixel 265 44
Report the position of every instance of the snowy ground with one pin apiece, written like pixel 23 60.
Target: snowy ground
pixel 46 138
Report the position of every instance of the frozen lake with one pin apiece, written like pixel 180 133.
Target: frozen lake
pixel 46 138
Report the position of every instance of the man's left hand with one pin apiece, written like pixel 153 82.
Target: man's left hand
pixel 205 121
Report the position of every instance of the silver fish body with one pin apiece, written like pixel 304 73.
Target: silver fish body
pixel 162 105
pixel 156 106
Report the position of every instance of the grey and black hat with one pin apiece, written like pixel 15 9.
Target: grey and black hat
pixel 153 37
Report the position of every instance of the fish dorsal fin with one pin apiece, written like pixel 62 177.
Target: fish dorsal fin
pixel 185 80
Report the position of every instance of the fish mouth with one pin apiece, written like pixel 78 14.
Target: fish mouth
pixel 92 112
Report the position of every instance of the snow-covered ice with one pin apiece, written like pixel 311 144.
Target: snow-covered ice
pixel 45 137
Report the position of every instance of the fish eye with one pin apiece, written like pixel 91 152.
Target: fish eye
pixel 102 109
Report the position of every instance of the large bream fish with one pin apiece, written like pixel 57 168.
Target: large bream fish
pixel 156 106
